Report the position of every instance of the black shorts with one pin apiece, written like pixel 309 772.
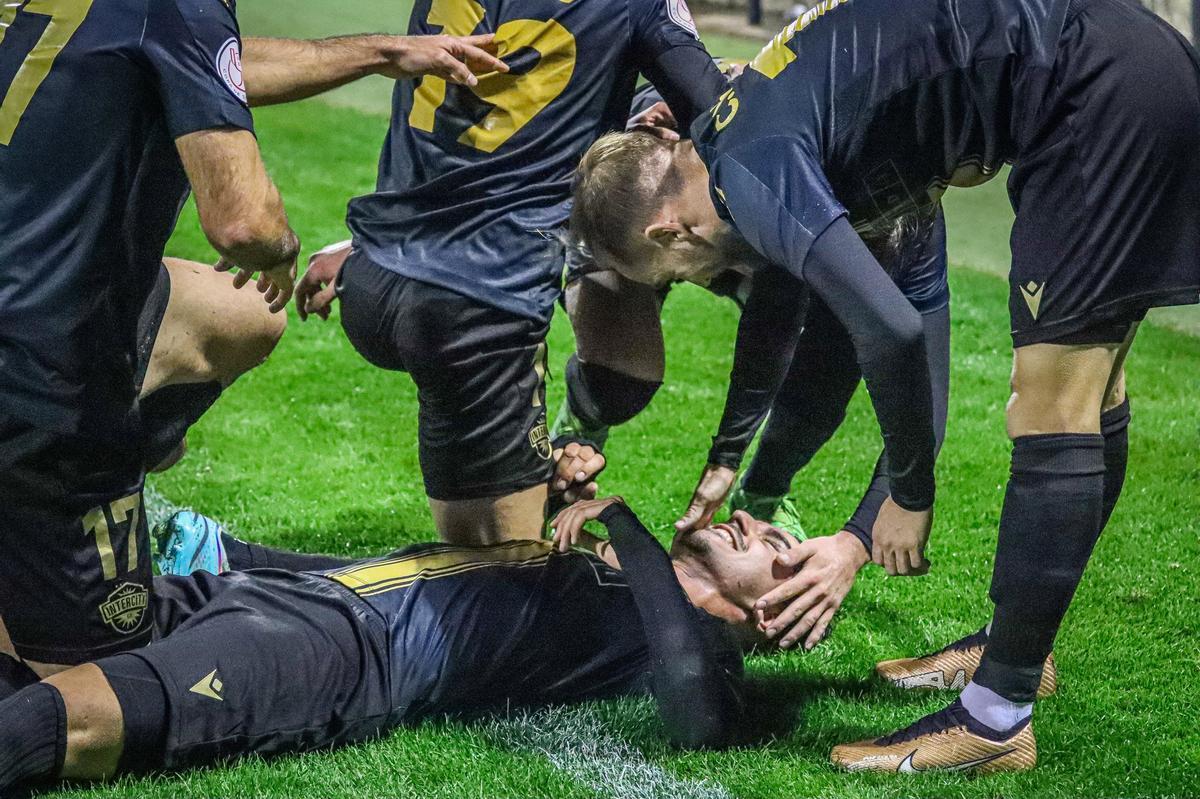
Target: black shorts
pixel 264 662
pixel 74 547
pixel 1107 183
pixel 480 374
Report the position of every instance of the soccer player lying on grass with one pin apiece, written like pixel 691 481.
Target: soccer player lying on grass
pixel 619 362
pixel 819 144
pixel 268 661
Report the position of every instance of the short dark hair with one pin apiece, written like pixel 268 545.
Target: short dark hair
pixel 620 184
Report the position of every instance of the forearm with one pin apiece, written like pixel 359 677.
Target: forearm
pixel 698 695
pixel 768 331
pixel 890 347
pixel 285 70
pixel 689 82
pixel 240 209
pixel 936 325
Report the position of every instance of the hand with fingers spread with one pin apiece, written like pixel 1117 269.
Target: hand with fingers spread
pixel 711 492
pixel 825 571
pixel 275 284
pixel 899 538
pixel 453 58
pixel 576 467
pixel 318 288
pixel 567 526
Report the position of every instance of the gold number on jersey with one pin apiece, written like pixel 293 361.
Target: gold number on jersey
pixel 772 59
pixel 725 110
pixel 96 523
pixel 515 99
pixel 65 18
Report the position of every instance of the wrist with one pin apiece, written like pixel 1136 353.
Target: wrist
pixel 852 546
pixel 381 52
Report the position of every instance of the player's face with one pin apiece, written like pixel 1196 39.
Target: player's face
pixel 737 557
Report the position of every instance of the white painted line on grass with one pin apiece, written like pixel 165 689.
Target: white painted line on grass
pixel 578 743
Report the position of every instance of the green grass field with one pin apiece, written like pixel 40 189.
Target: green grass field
pixel 316 451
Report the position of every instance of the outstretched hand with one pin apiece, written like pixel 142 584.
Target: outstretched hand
pixel 576 468
pixel 711 492
pixel 276 284
pixel 457 59
pixel 567 526
pixel 899 538
pixel 825 571
pixel 318 288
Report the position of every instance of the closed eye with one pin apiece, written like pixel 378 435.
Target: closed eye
pixel 778 540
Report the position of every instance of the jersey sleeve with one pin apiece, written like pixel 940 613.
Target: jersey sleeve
pixel 194 48
pixel 668 51
pixel 777 196
pixel 769 329
pixel 696 668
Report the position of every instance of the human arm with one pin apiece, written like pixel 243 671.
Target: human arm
pixel 240 210
pixel 206 115
pixel 696 675
pixel 778 197
pixel 937 343
pixel 770 326
pixel 284 70
pixel 670 54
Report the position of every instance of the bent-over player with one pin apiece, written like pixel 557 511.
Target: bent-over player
pixel 818 144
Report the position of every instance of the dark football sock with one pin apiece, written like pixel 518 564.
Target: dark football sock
pixel 14 675
pixel 143 700
pixel 1114 426
pixel 1049 524
pixel 244 555
pixel 168 413
pixel 33 736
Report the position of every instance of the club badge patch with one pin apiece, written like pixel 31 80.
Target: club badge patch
pixel 125 607
pixel 229 67
pixel 539 439
pixel 681 15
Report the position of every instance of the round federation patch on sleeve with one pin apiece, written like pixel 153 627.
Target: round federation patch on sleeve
pixel 229 67
pixel 681 15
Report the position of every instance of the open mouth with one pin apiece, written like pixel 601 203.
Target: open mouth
pixel 732 531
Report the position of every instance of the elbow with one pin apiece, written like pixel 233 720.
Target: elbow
pixel 254 242
pixel 903 342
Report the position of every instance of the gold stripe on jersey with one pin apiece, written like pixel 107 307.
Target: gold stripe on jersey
pixel 389 575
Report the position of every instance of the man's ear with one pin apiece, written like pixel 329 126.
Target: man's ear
pixel 665 234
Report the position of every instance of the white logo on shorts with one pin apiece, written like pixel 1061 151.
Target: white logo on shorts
pixel 229 67
pixel 681 15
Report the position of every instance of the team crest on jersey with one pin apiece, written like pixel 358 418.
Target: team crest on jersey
pixel 681 15
pixel 229 67
pixel 539 439
pixel 125 607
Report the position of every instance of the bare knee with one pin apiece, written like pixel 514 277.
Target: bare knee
pixel 260 332
pixel 211 331
pixel 1059 389
pixel 95 726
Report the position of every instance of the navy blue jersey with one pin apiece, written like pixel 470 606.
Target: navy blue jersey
pixel 91 185
pixel 473 628
pixel 867 108
pixel 474 184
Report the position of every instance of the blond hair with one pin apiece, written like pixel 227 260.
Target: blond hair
pixel 619 187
